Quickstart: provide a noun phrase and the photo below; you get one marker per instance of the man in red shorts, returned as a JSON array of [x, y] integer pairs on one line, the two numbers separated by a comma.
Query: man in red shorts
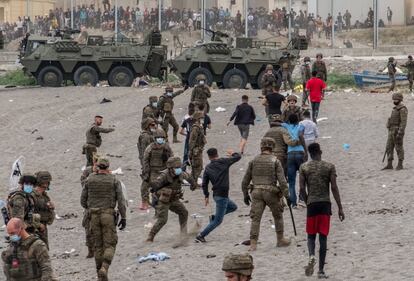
[[316, 87], [316, 178]]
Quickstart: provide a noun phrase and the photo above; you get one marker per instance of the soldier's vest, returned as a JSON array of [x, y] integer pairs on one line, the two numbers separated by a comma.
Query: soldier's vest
[[199, 95], [264, 170], [93, 138], [173, 191], [29, 210], [395, 118], [41, 208], [410, 67], [201, 138], [19, 262], [276, 133], [288, 111], [270, 78], [167, 104], [152, 114], [158, 158], [101, 191]]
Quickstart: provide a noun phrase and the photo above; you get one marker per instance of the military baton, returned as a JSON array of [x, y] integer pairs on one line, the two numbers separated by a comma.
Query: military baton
[[293, 220]]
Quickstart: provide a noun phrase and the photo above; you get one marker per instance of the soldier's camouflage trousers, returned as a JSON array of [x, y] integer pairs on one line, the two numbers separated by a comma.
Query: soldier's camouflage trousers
[[145, 185], [287, 78], [161, 211], [394, 142], [260, 199], [196, 164], [86, 222], [44, 235], [410, 77], [305, 95], [169, 119], [392, 80], [103, 230], [89, 151]]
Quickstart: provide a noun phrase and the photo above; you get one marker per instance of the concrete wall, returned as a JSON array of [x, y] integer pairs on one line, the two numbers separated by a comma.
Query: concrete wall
[[359, 9]]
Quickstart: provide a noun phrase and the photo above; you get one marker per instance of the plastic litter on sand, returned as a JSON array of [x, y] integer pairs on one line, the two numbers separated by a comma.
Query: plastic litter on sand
[[154, 257], [322, 119], [117, 171], [220, 109]]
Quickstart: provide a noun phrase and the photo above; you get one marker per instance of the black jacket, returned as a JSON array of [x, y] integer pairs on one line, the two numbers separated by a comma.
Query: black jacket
[[217, 172], [244, 115]]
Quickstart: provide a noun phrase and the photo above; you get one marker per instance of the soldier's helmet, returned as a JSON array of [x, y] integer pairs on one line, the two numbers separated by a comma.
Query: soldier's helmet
[[159, 133], [269, 67], [319, 55], [197, 115], [276, 118], [43, 177], [307, 59], [397, 96], [147, 122], [391, 59], [240, 263], [28, 178], [292, 97], [153, 99], [174, 162], [103, 162], [267, 143]]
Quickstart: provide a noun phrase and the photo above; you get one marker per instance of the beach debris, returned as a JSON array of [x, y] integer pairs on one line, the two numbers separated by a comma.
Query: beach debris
[[326, 137], [220, 109], [348, 90], [210, 256], [154, 257], [117, 171], [112, 155], [196, 216], [148, 225], [39, 138], [105, 100], [346, 147], [321, 119]]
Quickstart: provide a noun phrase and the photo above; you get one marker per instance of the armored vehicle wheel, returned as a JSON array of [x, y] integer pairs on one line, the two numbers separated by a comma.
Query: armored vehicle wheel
[[50, 76], [235, 79], [85, 75], [121, 76], [200, 72]]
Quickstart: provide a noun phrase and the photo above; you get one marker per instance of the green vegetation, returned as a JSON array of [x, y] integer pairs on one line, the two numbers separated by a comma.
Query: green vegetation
[[17, 78], [339, 80]]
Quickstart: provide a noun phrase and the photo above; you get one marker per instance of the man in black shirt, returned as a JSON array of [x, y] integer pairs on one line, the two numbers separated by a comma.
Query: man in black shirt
[[274, 101], [217, 172]]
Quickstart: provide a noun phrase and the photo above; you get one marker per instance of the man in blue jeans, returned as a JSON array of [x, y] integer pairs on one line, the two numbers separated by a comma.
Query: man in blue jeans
[[217, 172], [296, 156]]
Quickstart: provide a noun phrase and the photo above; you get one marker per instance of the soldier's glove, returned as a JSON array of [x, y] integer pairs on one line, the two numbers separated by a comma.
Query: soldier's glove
[[122, 224], [247, 199]]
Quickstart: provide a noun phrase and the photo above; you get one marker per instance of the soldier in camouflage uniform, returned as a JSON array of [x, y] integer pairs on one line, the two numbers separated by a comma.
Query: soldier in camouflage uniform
[[94, 139], [148, 127], [410, 74], [396, 129], [268, 80], [292, 108], [268, 189], [200, 95], [287, 75], [238, 267], [20, 204], [320, 67], [86, 214], [151, 110], [26, 257], [155, 159], [166, 106], [167, 188], [43, 205], [101, 194], [196, 145], [306, 74], [392, 70], [282, 139]]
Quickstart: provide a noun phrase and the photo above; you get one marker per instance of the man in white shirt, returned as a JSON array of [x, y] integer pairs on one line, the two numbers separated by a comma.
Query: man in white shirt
[[311, 130]]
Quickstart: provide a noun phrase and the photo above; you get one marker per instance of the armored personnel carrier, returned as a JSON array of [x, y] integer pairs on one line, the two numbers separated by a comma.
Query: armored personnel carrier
[[97, 58], [234, 67]]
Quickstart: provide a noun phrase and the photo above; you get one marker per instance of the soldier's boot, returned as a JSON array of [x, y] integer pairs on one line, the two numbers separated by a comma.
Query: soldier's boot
[[389, 165], [400, 165], [150, 237], [253, 245], [175, 139], [103, 271], [281, 240], [91, 252]]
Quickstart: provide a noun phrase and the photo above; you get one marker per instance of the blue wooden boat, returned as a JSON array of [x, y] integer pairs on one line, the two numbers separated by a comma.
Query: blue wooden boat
[[369, 78]]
